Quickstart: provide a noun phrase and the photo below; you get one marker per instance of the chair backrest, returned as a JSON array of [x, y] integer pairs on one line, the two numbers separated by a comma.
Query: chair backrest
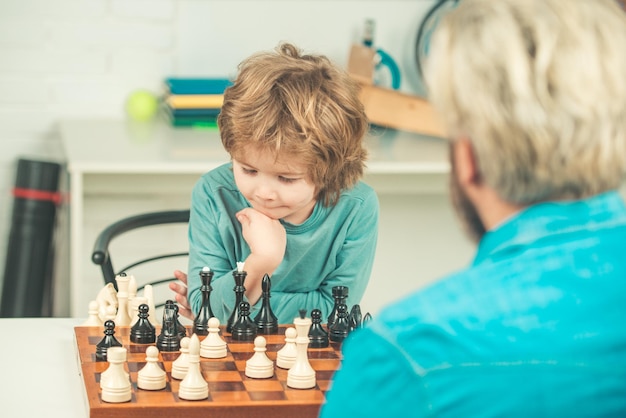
[[101, 254]]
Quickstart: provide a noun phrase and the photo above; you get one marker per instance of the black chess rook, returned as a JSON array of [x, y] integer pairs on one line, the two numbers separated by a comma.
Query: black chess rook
[[340, 294]]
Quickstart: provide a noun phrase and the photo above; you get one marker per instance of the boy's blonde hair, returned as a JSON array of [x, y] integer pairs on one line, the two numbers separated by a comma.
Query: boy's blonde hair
[[302, 107], [539, 87]]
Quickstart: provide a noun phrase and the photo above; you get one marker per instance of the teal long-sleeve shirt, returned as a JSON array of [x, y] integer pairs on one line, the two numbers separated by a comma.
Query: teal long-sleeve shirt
[[533, 328], [334, 246]]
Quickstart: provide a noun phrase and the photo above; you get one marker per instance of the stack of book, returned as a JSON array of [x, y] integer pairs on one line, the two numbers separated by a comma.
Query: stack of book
[[193, 102]]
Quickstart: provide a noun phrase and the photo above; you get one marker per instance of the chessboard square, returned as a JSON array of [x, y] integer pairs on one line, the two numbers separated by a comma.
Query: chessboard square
[[135, 366], [137, 348], [223, 376], [217, 366], [305, 395], [322, 354], [170, 355], [268, 396], [226, 386], [245, 355], [324, 385], [230, 397], [324, 374], [154, 397], [241, 347], [263, 385], [323, 364], [272, 348]]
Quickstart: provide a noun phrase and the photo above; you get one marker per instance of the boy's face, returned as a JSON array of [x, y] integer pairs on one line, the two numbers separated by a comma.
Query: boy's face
[[278, 188]]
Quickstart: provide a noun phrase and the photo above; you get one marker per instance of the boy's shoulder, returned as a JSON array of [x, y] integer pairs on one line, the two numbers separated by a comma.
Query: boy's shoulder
[[361, 190], [216, 179], [220, 174]]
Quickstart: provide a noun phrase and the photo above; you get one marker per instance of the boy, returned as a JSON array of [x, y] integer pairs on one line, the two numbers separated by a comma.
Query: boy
[[291, 203]]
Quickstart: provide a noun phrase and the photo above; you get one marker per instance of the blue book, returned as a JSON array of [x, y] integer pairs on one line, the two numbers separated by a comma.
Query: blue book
[[181, 85], [192, 112]]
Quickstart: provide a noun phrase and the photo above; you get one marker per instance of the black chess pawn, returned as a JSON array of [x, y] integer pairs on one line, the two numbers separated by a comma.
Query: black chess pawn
[[340, 294], [169, 338], [340, 329], [143, 332], [318, 337], [240, 277], [265, 320], [201, 321], [245, 329], [109, 340], [356, 318]]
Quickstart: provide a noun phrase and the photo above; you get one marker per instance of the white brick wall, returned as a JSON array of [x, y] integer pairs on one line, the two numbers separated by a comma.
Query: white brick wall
[[81, 58]]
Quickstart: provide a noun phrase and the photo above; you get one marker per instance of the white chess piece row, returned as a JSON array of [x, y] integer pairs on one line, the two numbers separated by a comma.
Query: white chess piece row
[[115, 382], [122, 305]]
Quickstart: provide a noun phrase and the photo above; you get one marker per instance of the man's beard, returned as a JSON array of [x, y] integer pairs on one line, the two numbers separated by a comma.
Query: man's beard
[[464, 208]]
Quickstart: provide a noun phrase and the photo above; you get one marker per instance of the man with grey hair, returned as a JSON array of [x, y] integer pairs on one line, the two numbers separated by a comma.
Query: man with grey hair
[[533, 96]]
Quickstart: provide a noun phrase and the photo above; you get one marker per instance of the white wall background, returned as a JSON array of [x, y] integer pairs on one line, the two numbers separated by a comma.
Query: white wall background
[[81, 58]]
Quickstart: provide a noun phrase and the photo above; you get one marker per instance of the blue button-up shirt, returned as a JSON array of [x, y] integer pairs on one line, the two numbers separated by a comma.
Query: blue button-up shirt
[[536, 327]]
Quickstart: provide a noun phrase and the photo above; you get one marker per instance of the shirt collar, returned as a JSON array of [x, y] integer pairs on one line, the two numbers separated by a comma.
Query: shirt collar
[[550, 218]]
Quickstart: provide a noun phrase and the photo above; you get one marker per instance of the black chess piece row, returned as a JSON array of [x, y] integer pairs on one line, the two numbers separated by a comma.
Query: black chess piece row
[[143, 332], [340, 321], [264, 323]]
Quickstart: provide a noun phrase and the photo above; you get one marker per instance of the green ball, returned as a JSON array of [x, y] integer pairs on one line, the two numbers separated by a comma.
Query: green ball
[[142, 105]]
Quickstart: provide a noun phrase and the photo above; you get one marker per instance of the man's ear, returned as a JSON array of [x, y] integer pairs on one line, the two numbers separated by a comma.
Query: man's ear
[[466, 166]]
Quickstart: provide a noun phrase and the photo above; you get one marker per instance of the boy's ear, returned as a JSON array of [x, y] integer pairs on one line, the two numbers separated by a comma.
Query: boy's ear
[[465, 162]]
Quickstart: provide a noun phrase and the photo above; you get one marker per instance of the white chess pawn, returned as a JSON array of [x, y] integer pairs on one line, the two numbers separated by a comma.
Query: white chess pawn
[[181, 364], [259, 366], [213, 345], [148, 293], [109, 370], [286, 356], [134, 308], [151, 376], [301, 375], [93, 320], [132, 293], [193, 387], [122, 318], [116, 386], [111, 312]]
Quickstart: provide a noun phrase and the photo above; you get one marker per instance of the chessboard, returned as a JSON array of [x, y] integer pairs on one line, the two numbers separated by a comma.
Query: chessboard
[[231, 393]]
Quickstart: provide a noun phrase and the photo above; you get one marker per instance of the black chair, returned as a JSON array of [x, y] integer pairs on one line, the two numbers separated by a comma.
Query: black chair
[[101, 251]]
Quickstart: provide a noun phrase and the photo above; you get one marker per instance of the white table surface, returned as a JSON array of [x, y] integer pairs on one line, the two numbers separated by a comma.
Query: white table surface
[[40, 375]]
